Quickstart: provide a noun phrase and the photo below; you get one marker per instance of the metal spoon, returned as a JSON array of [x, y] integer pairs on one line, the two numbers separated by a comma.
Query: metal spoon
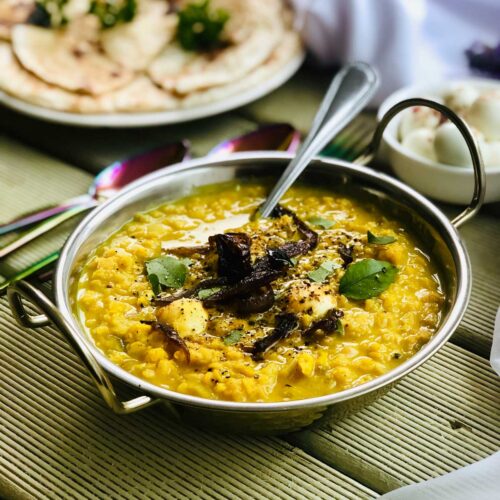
[[351, 89]]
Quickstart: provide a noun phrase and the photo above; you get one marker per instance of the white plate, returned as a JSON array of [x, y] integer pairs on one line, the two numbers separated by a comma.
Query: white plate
[[122, 120]]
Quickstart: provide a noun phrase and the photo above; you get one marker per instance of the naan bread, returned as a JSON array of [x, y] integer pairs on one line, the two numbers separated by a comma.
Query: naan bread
[[139, 95], [254, 30], [18, 82], [69, 58], [81, 69], [13, 12], [135, 44], [289, 48]]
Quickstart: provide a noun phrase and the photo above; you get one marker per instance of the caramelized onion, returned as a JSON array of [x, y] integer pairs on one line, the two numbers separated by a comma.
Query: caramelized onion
[[245, 287], [259, 301], [328, 324], [310, 237], [172, 337], [285, 323], [345, 253], [233, 251], [188, 251]]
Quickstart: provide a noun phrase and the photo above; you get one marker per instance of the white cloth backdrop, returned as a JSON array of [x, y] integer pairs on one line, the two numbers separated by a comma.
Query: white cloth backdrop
[[408, 41]]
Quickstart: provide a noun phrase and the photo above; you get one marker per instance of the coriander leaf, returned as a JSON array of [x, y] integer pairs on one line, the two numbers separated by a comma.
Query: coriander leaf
[[323, 271], [207, 292], [166, 271], [233, 337], [113, 12], [330, 265], [155, 283], [380, 240], [318, 275], [199, 27], [294, 260], [340, 327], [367, 278], [320, 222]]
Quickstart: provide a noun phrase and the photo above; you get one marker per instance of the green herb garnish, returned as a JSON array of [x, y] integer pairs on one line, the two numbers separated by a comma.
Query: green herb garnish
[[200, 27], [323, 271], [340, 327], [233, 337], [207, 292], [49, 13], [168, 272], [367, 278], [320, 222], [113, 12], [379, 240]]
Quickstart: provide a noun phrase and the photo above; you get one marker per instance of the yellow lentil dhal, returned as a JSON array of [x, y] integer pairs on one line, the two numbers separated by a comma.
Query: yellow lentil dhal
[[114, 295]]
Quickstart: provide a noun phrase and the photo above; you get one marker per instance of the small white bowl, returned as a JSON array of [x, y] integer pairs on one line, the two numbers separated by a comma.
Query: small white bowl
[[436, 180]]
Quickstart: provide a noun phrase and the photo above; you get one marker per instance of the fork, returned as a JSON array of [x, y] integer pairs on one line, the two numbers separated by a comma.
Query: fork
[[353, 140]]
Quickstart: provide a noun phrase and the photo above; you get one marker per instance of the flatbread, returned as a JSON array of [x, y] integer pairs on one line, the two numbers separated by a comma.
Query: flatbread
[[139, 95], [13, 12], [82, 69], [135, 44], [289, 48], [69, 58], [254, 30], [18, 82]]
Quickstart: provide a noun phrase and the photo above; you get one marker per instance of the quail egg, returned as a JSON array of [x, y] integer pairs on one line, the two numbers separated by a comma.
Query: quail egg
[[421, 142], [484, 114]]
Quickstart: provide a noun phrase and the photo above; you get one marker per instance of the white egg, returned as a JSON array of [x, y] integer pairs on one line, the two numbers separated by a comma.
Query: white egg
[[461, 97], [491, 153], [484, 114], [450, 146], [418, 117], [421, 142]]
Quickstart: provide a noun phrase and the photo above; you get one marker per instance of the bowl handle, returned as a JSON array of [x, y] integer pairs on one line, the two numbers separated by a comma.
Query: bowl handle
[[477, 161], [22, 289]]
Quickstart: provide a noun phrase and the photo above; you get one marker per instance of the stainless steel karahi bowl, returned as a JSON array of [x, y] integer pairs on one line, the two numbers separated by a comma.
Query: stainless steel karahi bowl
[[438, 234]]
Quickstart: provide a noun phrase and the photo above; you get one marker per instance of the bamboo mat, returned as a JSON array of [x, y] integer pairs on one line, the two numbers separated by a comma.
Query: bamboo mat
[[57, 440]]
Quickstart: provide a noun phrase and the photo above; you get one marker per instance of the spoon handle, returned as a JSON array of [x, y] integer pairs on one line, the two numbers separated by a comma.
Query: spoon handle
[[38, 216], [44, 227], [39, 266], [351, 89]]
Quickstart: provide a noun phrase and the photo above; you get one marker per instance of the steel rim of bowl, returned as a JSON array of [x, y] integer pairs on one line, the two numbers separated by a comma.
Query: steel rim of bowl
[[457, 309]]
